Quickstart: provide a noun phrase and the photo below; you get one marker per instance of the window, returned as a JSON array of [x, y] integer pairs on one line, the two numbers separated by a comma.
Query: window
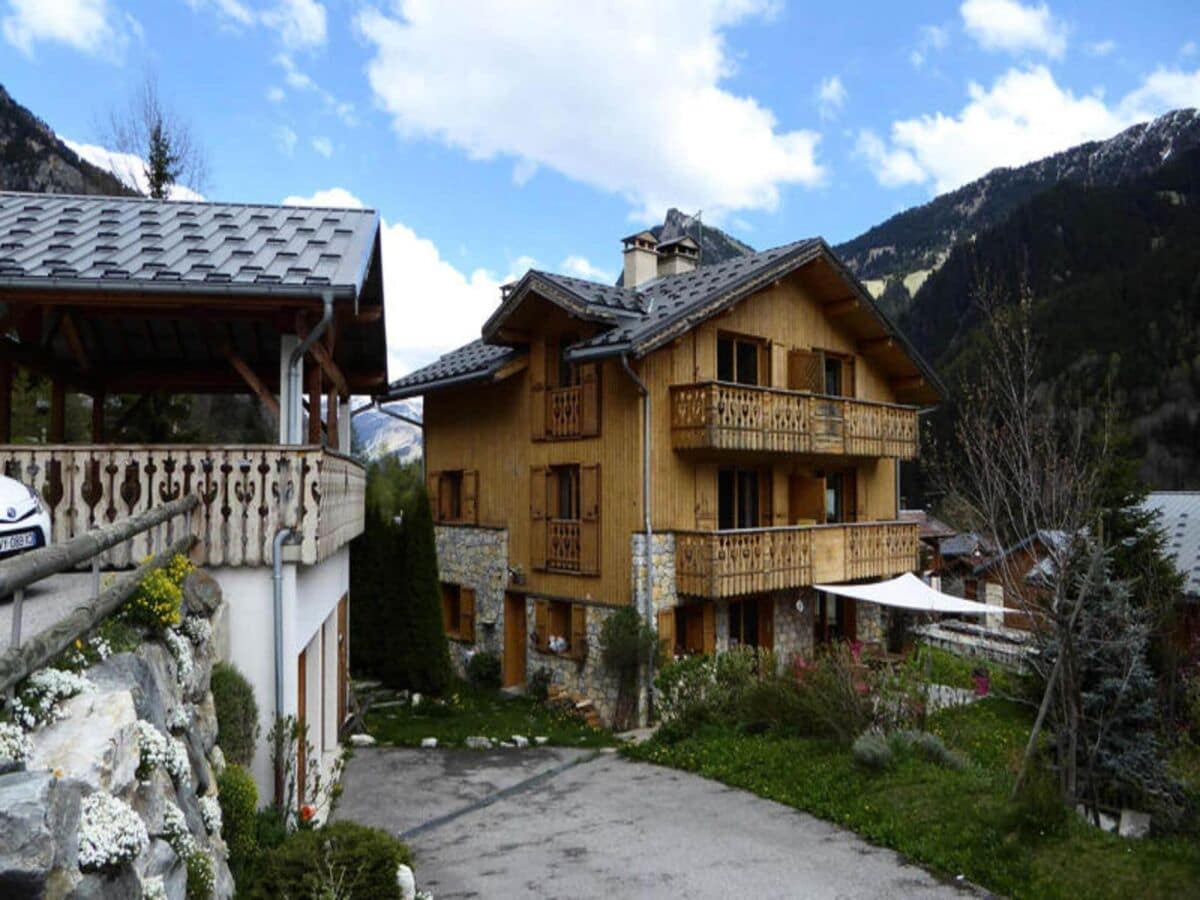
[[452, 489], [739, 499], [834, 619], [458, 612], [562, 372], [564, 506], [839, 374], [566, 402], [840, 497], [740, 360], [833, 376], [452, 494], [743, 623], [560, 628], [566, 491]]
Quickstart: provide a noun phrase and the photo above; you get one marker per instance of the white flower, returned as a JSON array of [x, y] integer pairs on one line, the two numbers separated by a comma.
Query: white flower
[[178, 720], [210, 812], [198, 630], [181, 649], [110, 833], [41, 696], [101, 647], [14, 746], [160, 751], [175, 830], [154, 889]]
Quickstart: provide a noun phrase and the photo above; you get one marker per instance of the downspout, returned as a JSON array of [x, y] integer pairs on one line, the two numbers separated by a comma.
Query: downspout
[[648, 598], [282, 535], [293, 370]]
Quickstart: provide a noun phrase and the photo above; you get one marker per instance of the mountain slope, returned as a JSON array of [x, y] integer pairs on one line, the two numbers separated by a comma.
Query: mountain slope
[[377, 434], [895, 256], [33, 158], [1114, 272]]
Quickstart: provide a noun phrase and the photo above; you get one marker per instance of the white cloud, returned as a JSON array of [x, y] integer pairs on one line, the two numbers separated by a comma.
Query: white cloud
[[300, 80], [286, 138], [1013, 27], [581, 267], [1024, 116], [932, 37], [129, 168], [1101, 48], [323, 146], [275, 94], [84, 25], [432, 307], [523, 171], [1188, 49], [831, 96], [631, 101], [300, 23], [232, 11]]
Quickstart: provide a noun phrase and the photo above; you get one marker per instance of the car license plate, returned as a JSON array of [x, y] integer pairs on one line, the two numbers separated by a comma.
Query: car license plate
[[11, 542]]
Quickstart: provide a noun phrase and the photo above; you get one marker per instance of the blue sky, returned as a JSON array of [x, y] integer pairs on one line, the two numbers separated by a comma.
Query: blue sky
[[494, 136]]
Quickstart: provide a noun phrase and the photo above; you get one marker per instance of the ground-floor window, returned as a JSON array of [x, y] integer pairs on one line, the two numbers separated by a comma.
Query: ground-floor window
[[458, 611], [834, 619], [560, 627], [751, 622]]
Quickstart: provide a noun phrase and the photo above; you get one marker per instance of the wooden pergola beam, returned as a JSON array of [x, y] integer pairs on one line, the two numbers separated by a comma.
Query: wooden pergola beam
[[323, 355], [75, 342], [264, 394], [43, 363]]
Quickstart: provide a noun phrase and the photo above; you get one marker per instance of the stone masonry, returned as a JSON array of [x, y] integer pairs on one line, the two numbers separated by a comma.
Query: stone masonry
[[663, 557], [586, 675], [476, 558]]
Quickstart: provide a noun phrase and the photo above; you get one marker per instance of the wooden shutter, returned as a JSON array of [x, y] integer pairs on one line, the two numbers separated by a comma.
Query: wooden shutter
[[806, 371], [589, 515], [666, 631], [466, 614], [766, 623], [706, 497], [579, 641], [541, 622], [433, 481], [445, 499], [537, 515], [469, 499], [848, 388], [589, 399], [447, 625], [806, 499], [850, 495], [710, 627]]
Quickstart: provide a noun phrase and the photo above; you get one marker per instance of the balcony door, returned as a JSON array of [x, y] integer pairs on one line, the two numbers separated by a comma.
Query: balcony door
[[742, 360], [743, 498]]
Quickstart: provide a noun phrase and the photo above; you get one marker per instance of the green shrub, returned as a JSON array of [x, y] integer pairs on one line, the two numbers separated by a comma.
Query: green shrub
[[835, 703], [237, 713], [927, 746], [363, 859], [200, 879], [772, 703], [155, 603], [238, 796], [270, 828], [1039, 809], [872, 751], [483, 670], [538, 686]]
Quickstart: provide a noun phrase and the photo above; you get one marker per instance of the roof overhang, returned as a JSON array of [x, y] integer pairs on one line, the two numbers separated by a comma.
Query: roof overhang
[[535, 285], [496, 371]]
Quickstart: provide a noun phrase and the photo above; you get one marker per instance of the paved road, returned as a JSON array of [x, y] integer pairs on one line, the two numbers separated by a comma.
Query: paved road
[[567, 824], [45, 603]]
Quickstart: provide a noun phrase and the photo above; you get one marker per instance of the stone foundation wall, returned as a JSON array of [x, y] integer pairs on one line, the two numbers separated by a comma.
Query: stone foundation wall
[[476, 558], [662, 548], [793, 630], [587, 675]]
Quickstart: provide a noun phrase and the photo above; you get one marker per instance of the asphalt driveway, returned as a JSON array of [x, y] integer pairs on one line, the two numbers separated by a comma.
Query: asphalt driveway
[[543, 823]]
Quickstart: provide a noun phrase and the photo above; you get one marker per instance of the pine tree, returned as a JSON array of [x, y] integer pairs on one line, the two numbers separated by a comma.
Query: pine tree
[[162, 162]]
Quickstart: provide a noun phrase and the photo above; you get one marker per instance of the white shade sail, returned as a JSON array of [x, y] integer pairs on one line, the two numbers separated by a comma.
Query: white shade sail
[[910, 592]]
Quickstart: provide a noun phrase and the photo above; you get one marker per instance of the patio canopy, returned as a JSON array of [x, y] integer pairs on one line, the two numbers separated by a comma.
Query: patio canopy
[[910, 592]]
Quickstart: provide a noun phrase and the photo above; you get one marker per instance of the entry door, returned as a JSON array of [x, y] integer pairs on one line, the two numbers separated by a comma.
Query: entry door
[[516, 640]]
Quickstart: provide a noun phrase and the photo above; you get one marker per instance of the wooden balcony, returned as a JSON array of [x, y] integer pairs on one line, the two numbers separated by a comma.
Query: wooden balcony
[[716, 564], [720, 416], [247, 492], [563, 545], [563, 411]]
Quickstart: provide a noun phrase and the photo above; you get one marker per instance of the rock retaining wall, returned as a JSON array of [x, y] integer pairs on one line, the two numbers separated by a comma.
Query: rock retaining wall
[[95, 747], [476, 558]]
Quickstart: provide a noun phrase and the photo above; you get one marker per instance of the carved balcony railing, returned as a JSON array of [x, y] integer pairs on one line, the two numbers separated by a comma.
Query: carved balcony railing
[[716, 564], [721, 416], [247, 493], [563, 546], [564, 411]]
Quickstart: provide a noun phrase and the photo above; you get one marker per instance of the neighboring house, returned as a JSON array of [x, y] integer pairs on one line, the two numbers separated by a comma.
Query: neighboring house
[[1180, 520], [106, 296], [932, 532], [1017, 577], [753, 413]]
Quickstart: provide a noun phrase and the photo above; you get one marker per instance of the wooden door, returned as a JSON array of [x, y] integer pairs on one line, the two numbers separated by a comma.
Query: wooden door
[[515, 640]]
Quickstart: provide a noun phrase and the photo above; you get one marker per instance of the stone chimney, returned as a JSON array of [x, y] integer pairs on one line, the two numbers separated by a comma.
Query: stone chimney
[[641, 259], [678, 256]]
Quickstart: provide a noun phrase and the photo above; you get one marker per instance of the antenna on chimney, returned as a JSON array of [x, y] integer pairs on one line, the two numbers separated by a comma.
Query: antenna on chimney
[[699, 235]]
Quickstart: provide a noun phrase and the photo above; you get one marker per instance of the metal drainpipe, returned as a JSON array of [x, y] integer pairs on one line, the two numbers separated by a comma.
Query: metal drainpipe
[[293, 371], [411, 421], [648, 600], [283, 534]]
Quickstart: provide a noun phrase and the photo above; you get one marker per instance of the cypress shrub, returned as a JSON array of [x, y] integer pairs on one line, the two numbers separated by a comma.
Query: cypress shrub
[[362, 860], [483, 671], [238, 796], [372, 590], [237, 713]]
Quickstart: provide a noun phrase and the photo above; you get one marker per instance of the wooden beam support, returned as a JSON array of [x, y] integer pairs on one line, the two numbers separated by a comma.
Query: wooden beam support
[[874, 345], [43, 363], [312, 377], [75, 342], [331, 418], [98, 418], [323, 355], [58, 411], [841, 307], [264, 394], [907, 383]]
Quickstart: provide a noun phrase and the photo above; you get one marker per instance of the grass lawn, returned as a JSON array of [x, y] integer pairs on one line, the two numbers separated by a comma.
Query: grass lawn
[[465, 712], [954, 822]]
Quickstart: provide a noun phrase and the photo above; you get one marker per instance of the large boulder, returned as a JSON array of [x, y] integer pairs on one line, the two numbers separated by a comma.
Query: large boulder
[[204, 722], [201, 594], [95, 741], [122, 884], [161, 670], [160, 861], [36, 811], [134, 672]]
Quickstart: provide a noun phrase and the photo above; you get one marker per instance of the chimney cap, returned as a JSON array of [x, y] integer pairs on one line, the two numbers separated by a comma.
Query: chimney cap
[[683, 245], [642, 239]]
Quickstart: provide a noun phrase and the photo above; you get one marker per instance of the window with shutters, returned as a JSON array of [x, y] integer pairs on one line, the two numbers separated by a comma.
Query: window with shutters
[[560, 628], [458, 612], [742, 360], [454, 496], [567, 399], [743, 498], [565, 512], [821, 372]]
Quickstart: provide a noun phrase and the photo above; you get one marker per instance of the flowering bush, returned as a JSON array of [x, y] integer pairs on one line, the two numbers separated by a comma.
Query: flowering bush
[[175, 830], [156, 602], [110, 833], [160, 751], [178, 719], [179, 568], [39, 699], [181, 650], [200, 880], [210, 812], [154, 889], [198, 630], [14, 747]]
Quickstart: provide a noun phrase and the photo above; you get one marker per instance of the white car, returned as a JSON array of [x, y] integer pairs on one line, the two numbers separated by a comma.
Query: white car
[[24, 518]]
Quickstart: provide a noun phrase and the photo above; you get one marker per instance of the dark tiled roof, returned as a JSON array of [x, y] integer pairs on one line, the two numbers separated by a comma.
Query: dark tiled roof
[[476, 360], [606, 296], [1180, 520], [126, 243]]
